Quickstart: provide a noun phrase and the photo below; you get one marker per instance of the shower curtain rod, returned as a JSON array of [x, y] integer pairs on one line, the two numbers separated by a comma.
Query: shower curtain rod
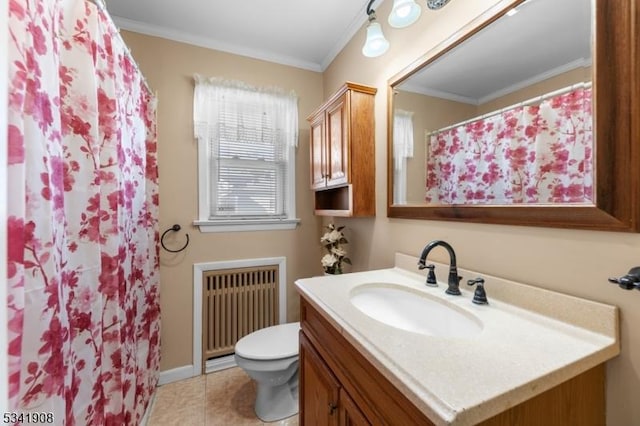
[[516, 105], [102, 6]]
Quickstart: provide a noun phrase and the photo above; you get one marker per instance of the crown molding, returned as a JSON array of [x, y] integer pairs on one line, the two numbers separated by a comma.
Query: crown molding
[[209, 43]]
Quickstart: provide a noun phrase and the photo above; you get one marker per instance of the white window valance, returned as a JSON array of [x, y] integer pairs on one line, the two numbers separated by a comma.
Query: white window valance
[[402, 150], [402, 136], [215, 97]]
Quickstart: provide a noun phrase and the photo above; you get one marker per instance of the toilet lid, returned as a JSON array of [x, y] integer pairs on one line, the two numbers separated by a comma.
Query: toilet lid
[[276, 342]]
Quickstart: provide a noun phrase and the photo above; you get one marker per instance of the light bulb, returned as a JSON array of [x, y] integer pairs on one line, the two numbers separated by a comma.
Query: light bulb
[[404, 13], [376, 44]]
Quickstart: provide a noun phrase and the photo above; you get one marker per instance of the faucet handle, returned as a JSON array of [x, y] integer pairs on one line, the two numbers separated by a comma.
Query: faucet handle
[[431, 276], [479, 296], [623, 282], [629, 281]]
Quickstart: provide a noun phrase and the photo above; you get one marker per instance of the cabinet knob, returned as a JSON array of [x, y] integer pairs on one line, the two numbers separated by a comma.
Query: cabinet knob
[[332, 408]]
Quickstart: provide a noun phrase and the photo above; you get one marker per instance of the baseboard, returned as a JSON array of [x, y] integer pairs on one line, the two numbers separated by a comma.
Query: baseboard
[[147, 412], [175, 374], [221, 363]]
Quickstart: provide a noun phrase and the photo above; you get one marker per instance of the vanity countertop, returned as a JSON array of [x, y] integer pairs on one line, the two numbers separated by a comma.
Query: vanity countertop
[[532, 340]]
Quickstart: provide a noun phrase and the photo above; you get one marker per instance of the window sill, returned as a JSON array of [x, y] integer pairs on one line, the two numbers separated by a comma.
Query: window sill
[[241, 225]]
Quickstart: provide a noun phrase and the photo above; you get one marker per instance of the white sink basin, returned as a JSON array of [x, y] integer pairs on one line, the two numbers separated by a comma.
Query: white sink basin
[[414, 311]]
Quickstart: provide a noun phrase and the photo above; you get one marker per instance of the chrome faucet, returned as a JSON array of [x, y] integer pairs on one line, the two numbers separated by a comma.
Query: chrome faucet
[[454, 280]]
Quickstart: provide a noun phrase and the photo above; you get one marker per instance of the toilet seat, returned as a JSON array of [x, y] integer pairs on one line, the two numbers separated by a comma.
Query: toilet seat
[[270, 343]]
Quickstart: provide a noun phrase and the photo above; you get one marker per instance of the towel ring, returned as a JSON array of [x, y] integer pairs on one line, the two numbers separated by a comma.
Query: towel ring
[[174, 228]]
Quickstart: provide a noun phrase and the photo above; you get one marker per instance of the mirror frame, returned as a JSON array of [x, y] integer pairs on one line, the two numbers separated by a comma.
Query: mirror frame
[[616, 91]]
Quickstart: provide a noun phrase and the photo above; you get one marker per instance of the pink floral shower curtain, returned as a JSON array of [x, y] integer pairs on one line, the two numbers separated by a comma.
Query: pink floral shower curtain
[[529, 154], [83, 219]]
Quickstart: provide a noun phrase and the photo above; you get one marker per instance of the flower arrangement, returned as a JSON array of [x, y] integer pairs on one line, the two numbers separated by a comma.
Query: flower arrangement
[[336, 255]]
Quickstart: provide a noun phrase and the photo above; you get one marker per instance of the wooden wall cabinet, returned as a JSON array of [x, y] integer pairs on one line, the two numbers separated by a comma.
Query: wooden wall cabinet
[[340, 386], [342, 151]]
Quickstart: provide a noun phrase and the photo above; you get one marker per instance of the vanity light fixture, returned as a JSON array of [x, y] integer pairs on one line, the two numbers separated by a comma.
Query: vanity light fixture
[[404, 13], [376, 44]]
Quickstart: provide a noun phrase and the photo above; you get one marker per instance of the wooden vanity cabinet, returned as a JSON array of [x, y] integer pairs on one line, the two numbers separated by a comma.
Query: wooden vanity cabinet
[[339, 386], [342, 150], [329, 403]]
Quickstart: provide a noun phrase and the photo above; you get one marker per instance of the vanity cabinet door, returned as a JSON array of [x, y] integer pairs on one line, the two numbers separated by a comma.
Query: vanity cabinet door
[[350, 414], [319, 389], [325, 400]]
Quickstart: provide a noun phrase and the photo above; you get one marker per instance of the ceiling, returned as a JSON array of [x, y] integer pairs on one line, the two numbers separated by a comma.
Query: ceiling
[[302, 33]]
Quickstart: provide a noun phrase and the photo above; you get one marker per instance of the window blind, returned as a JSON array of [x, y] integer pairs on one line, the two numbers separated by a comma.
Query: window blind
[[249, 158]]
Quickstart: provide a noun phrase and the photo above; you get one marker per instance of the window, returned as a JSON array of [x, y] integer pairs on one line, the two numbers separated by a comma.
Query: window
[[246, 148]]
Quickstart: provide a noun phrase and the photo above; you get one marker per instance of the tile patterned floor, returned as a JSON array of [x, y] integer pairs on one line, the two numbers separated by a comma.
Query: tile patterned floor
[[223, 398]]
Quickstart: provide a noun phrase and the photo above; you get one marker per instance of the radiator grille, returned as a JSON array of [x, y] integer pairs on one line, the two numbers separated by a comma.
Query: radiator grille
[[237, 302]]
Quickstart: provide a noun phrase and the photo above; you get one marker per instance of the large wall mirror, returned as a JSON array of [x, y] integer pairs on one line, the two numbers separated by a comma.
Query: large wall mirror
[[528, 116]]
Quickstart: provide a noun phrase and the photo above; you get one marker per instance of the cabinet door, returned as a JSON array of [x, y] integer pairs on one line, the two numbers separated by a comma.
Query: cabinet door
[[319, 389], [316, 148], [337, 122], [350, 414]]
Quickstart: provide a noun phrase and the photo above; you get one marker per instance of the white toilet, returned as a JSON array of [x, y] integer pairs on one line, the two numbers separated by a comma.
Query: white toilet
[[270, 357]]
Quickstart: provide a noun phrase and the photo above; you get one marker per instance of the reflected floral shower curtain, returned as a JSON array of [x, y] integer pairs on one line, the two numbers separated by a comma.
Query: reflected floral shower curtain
[[83, 219], [529, 154]]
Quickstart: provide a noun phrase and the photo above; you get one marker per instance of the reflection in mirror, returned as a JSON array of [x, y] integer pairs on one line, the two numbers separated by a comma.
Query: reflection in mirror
[[589, 187], [504, 117]]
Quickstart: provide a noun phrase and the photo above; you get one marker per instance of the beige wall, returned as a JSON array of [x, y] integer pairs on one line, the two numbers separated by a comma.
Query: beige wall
[[568, 261], [546, 86], [169, 67]]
